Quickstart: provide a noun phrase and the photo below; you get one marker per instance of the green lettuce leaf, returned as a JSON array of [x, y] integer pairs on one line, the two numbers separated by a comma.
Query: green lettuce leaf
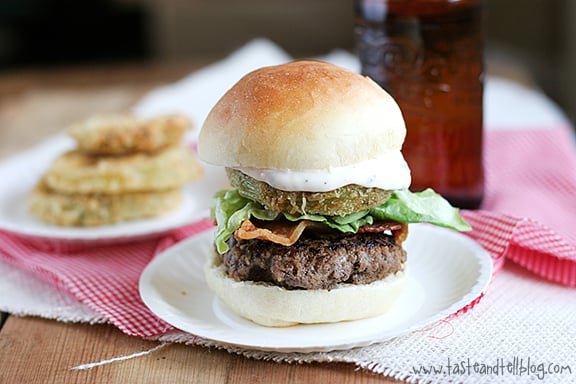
[[421, 207], [229, 210]]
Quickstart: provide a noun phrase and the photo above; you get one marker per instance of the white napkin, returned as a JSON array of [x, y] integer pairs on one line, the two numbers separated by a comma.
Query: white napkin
[[22, 294], [524, 329]]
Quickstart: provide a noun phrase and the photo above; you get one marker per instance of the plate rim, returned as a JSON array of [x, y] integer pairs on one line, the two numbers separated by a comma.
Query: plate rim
[[477, 289]]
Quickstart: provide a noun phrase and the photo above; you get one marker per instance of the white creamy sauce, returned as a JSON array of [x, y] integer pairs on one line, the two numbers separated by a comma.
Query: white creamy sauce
[[389, 171]]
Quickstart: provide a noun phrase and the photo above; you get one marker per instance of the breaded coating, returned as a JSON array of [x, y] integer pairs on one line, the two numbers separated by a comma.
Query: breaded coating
[[85, 210], [338, 202], [124, 133], [78, 172]]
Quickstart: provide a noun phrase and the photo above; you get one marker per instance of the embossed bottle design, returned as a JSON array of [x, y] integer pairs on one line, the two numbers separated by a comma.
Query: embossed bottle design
[[428, 54]]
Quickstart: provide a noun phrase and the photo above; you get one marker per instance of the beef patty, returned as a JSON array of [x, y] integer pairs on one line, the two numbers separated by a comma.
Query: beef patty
[[316, 261]]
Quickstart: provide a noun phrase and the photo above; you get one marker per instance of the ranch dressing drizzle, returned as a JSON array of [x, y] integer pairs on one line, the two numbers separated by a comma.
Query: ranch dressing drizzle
[[389, 171]]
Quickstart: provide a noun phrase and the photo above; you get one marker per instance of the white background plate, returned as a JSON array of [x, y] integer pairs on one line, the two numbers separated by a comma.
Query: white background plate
[[20, 173], [447, 271]]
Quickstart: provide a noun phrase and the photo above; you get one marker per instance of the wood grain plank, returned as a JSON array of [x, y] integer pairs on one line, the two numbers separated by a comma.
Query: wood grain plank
[[34, 350]]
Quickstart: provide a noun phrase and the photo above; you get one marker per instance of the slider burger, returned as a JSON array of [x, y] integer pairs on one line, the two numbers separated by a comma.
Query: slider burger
[[312, 230]]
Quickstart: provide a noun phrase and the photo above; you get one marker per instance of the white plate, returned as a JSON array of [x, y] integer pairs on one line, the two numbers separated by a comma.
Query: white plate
[[20, 173], [447, 271]]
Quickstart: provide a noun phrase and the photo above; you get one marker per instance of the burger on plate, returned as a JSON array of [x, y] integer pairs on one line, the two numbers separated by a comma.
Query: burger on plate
[[312, 230]]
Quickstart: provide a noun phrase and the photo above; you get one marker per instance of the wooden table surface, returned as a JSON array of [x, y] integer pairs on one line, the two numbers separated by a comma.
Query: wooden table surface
[[35, 104]]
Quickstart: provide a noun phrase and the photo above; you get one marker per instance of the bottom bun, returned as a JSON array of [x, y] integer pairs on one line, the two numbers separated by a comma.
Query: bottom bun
[[273, 306]]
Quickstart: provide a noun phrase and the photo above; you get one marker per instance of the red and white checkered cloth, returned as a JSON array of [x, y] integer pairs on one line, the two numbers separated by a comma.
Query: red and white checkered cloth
[[528, 217], [529, 210]]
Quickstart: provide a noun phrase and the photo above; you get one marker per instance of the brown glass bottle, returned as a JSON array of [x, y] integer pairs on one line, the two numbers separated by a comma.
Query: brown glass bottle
[[428, 54]]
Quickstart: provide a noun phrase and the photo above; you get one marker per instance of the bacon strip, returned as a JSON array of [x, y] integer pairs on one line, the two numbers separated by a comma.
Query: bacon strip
[[380, 226], [287, 233], [280, 232], [399, 230]]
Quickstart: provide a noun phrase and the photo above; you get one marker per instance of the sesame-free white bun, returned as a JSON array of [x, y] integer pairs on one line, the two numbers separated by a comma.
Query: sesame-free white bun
[[273, 306], [304, 115]]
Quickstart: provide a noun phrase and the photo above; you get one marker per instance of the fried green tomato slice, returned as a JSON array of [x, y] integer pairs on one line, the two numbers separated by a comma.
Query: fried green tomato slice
[[338, 202], [125, 133], [78, 172], [91, 210]]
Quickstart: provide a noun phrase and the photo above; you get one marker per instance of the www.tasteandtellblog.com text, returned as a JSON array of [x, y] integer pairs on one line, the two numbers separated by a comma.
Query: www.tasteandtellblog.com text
[[516, 366]]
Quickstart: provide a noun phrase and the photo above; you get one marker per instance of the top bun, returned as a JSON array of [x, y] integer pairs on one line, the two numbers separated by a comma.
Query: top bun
[[304, 115]]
